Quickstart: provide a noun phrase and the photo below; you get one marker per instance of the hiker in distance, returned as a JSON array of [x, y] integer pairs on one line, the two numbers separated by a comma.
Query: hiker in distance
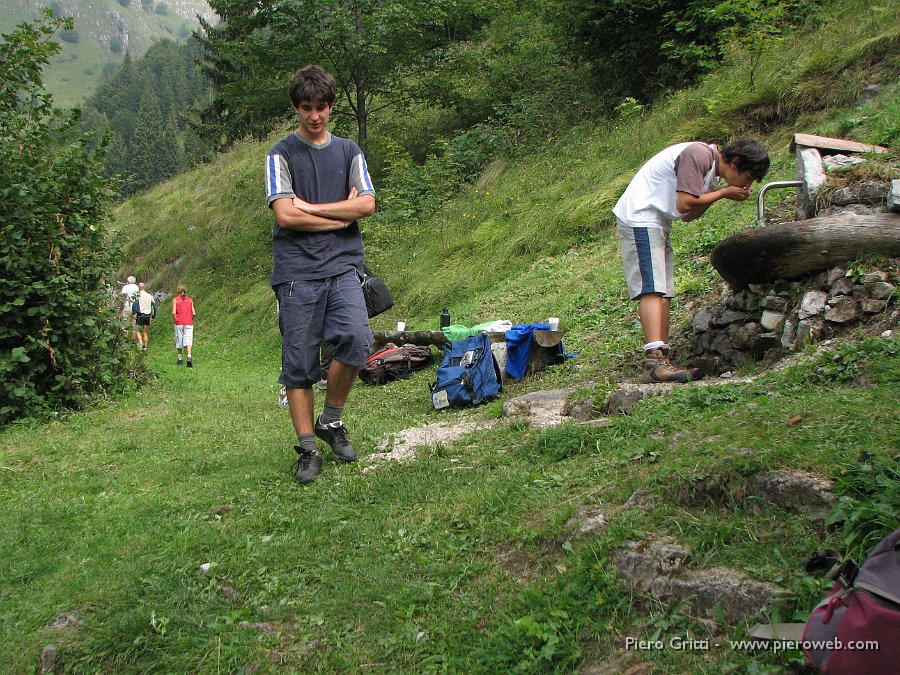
[[144, 310], [318, 186], [679, 183], [183, 314], [129, 292]]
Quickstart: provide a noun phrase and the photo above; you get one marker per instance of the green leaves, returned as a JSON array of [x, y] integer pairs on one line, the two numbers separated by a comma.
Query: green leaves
[[55, 313]]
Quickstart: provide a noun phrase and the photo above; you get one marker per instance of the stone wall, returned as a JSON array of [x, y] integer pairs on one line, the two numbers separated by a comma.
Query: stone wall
[[765, 321], [768, 320]]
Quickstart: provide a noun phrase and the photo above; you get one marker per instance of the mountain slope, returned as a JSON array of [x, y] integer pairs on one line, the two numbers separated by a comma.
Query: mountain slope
[[104, 31]]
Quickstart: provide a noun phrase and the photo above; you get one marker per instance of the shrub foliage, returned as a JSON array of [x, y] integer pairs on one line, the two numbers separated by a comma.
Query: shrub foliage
[[59, 337]]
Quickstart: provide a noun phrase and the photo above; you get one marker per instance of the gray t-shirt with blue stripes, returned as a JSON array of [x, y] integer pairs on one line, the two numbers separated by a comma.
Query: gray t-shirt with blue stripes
[[318, 174]]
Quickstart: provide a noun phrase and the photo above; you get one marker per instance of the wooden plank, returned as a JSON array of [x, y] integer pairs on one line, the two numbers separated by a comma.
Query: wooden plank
[[832, 146], [797, 249]]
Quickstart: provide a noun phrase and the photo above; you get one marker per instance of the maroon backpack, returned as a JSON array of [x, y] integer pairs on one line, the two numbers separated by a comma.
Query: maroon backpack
[[395, 363], [856, 629]]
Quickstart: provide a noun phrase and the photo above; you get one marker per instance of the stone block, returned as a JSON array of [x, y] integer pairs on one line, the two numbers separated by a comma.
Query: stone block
[[808, 330], [838, 162], [796, 491], [741, 335], [813, 303], [835, 273], [725, 317], [872, 306], [842, 286], [811, 171], [866, 192], [893, 200], [776, 303], [875, 276], [880, 290], [771, 320], [701, 321], [741, 301], [789, 334], [844, 310], [721, 343]]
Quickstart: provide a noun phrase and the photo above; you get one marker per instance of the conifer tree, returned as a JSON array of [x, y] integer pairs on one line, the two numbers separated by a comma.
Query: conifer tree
[[145, 143]]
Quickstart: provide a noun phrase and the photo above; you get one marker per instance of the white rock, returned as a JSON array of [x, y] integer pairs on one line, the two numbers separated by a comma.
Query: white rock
[[813, 303]]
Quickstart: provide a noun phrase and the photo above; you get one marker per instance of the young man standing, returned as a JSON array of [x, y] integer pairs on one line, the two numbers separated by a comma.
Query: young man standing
[[318, 185], [183, 314], [679, 183]]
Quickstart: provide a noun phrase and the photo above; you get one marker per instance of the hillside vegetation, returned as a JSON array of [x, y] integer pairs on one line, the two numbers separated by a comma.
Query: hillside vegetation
[[168, 526], [105, 30]]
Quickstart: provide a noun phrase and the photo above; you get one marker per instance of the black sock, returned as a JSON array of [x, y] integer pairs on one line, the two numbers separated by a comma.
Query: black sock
[[330, 413]]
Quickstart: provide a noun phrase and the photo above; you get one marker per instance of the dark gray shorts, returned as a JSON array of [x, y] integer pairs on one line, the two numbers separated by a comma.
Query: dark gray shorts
[[309, 312]]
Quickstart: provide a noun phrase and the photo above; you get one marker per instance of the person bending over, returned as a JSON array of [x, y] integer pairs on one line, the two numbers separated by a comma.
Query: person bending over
[[679, 183]]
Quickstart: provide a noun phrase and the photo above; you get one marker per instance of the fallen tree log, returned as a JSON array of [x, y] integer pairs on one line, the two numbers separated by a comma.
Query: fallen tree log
[[421, 338], [800, 248]]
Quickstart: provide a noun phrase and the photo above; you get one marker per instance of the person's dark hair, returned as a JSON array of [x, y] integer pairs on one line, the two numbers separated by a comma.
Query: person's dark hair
[[313, 83], [751, 156]]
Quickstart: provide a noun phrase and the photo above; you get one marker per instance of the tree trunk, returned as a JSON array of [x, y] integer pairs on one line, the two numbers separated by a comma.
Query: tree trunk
[[798, 249], [410, 337]]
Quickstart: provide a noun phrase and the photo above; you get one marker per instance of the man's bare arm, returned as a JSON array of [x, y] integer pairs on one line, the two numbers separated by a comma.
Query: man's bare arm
[[290, 217], [352, 208]]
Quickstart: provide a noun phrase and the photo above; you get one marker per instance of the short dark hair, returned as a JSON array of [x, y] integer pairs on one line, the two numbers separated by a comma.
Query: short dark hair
[[751, 156], [313, 83]]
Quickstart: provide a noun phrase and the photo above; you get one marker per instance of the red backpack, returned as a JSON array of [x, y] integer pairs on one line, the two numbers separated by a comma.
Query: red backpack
[[856, 629], [395, 363]]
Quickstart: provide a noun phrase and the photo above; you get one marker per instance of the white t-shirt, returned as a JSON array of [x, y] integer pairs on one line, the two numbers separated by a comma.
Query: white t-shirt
[[649, 200], [130, 292]]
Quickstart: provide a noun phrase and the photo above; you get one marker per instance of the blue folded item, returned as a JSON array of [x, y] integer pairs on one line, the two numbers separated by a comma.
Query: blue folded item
[[518, 347]]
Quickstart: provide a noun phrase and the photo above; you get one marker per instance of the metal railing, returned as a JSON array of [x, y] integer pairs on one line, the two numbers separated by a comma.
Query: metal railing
[[760, 198]]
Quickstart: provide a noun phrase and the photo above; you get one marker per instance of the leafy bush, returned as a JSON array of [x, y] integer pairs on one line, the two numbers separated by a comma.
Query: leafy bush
[[59, 339]]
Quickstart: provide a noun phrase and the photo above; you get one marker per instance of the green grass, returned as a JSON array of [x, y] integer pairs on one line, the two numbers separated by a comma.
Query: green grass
[[111, 514], [460, 561]]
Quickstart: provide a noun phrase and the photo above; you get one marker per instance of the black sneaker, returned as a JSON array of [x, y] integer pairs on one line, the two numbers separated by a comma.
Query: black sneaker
[[190, 364], [179, 362], [308, 465], [335, 434]]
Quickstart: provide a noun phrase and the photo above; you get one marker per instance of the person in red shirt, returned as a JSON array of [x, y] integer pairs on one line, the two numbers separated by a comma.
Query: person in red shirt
[[183, 314]]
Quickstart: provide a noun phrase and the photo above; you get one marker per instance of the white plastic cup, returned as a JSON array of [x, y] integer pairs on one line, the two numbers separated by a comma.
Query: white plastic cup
[[554, 322], [401, 326]]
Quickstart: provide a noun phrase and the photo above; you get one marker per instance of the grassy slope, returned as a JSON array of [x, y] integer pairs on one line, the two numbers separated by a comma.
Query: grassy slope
[[461, 560]]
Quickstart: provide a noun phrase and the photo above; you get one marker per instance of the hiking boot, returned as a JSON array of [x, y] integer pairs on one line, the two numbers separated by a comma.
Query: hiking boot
[[308, 465], [335, 434], [658, 368]]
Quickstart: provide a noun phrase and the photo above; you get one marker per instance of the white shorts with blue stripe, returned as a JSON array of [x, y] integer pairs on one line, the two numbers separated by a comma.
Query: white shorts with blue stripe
[[647, 256]]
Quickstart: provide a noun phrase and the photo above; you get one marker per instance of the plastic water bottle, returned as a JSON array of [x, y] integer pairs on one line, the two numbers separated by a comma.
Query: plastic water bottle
[[445, 318]]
